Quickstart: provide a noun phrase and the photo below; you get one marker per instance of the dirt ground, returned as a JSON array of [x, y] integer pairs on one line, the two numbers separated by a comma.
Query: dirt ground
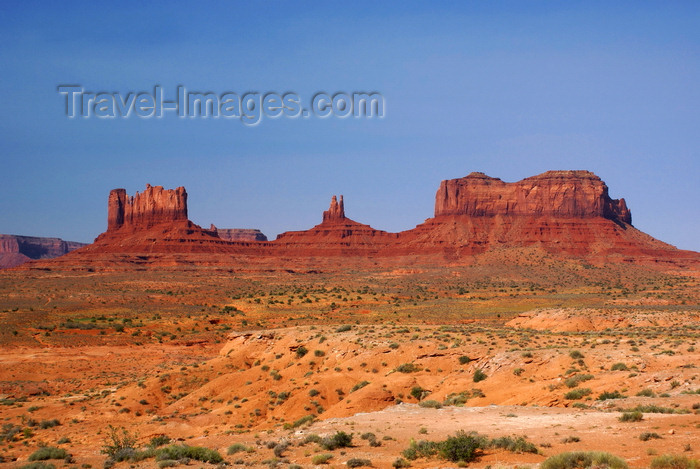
[[213, 360]]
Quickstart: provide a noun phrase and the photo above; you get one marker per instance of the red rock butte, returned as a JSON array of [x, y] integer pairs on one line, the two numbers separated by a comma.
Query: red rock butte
[[566, 214]]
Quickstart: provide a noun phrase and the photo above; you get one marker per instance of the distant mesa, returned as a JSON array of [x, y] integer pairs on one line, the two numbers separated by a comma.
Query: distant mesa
[[559, 194], [563, 214], [239, 234], [16, 250]]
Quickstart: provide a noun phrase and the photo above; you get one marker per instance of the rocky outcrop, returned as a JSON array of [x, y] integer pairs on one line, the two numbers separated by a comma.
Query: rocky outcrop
[[153, 206], [336, 211], [559, 194], [564, 214], [238, 234], [335, 235], [16, 250]]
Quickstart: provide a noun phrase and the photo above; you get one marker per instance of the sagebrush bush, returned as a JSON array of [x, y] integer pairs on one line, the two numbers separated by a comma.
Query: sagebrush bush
[[672, 461], [197, 453], [578, 393], [461, 447], [339, 440], [237, 448], [635, 416], [48, 452], [514, 445], [321, 458], [610, 395], [584, 460]]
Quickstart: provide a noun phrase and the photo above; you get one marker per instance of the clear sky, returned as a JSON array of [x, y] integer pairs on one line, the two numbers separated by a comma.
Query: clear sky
[[508, 88]]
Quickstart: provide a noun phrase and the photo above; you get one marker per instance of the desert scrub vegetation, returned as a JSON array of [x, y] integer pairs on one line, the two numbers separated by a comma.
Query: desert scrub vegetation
[[465, 447], [180, 452], [321, 458], [578, 393], [408, 368], [584, 460], [635, 416], [120, 445], [358, 462], [672, 461], [655, 409], [479, 375], [299, 422], [604, 396], [239, 447], [48, 452], [646, 436], [338, 440], [575, 380]]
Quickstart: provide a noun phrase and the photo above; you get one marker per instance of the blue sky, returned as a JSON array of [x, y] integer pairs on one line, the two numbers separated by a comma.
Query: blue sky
[[508, 88]]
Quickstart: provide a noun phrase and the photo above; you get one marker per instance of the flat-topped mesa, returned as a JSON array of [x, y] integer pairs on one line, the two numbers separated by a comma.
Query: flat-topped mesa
[[561, 194], [336, 211], [238, 234], [153, 206]]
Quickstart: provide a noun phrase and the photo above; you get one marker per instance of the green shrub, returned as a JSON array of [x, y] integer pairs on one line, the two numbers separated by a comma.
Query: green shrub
[[197, 453], [421, 449], [619, 367], [576, 355], [408, 368], [159, 440], [300, 421], [646, 436], [584, 460], [237, 448], [301, 351], [344, 328], [48, 452], [339, 440], [400, 463], [359, 385], [417, 392], [610, 395], [575, 380], [578, 393], [655, 409], [672, 461], [479, 376], [646, 393], [321, 458], [358, 462], [461, 447], [514, 445], [635, 416], [431, 404], [118, 442], [167, 463], [463, 360], [44, 424]]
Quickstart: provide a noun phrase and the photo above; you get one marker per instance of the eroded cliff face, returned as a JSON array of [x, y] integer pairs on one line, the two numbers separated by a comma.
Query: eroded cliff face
[[566, 214], [15, 250], [153, 206], [336, 211], [558, 194]]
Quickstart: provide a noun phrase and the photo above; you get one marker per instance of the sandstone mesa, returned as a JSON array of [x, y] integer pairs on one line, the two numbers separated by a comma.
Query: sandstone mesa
[[561, 213]]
